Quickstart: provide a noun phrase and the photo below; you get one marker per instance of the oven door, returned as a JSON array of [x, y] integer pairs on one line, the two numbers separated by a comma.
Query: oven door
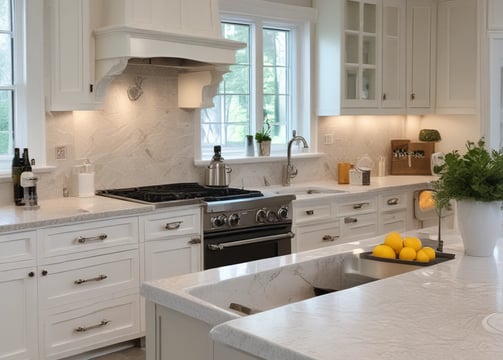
[[241, 245]]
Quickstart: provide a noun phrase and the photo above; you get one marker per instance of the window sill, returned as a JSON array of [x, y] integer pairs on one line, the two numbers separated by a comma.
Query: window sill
[[262, 159], [5, 176]]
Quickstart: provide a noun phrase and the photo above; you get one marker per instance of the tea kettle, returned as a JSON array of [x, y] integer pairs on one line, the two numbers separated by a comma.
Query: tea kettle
[[217, 173]]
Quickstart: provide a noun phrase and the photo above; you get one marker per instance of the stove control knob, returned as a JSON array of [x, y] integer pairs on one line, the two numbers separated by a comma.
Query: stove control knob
[[234, 220], [218, 221], [283, 213], [272, 217], [261, 216]]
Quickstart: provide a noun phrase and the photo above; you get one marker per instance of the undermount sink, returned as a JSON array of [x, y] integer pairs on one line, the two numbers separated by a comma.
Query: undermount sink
[[270, 289], [310, 190]]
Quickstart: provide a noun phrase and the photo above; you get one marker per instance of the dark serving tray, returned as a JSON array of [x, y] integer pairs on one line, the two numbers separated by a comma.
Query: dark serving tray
[[440, 257]]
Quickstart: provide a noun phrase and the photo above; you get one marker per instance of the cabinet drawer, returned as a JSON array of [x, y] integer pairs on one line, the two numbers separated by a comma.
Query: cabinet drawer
[[390, 202], [316, 236], [358, 206], [97, 235], [78, 280], [306, 212], [393, 221], [172, 223], [359, 226], [92, 325], [18, 247]]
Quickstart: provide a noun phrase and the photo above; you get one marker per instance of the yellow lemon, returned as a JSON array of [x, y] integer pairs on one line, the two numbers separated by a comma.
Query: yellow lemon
[[384, 251], [394, 240], [407, 253], [412, 242], [422, 256], [430, 252]]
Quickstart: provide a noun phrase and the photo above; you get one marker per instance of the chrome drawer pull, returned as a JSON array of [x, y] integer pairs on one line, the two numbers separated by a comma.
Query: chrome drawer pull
[[85, 328], [393, 201], [83, 240], [194, 241], [330, 237], [97, 278], [350, 220], [360, 205], [310, 212], [174, 225]]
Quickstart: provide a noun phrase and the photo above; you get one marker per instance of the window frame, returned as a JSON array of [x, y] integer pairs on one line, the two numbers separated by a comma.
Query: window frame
[[299, 21], [29, 114]]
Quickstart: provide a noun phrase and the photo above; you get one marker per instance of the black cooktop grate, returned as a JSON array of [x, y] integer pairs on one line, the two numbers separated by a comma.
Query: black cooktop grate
[[180, 191]]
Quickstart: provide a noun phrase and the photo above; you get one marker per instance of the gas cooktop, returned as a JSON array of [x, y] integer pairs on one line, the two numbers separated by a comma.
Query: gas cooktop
[[155, 194]]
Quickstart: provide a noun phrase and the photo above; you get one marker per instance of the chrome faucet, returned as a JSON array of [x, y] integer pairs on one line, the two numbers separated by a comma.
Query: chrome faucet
[[290, 171]]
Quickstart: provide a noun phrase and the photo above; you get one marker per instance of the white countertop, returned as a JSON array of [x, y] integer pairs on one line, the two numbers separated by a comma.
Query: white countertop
[[452, 310], [66, 210]]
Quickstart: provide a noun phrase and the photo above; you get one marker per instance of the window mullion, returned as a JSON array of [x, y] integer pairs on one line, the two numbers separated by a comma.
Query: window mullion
[[258, 67]]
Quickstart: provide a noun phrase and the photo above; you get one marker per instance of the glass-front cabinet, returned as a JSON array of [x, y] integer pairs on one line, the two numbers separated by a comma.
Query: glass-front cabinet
[[360, 75]]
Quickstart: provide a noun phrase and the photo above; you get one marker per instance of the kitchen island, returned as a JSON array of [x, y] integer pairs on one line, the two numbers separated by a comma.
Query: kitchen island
[[452, 310]]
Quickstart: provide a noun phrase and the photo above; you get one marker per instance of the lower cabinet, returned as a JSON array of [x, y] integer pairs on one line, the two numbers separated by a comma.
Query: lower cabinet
[[318, 235], [18, 328]]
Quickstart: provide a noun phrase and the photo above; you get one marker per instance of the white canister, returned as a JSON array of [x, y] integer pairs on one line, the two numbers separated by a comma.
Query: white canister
[[83, 180]]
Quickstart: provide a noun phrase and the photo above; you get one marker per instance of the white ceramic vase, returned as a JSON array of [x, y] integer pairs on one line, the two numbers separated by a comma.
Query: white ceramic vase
[[480, 226]]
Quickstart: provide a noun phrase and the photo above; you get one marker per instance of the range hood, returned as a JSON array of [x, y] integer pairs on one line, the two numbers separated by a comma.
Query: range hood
[[186, 38]]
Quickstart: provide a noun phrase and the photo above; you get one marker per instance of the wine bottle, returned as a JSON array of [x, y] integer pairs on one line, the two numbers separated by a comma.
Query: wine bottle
[[26, 160], [17, 169]]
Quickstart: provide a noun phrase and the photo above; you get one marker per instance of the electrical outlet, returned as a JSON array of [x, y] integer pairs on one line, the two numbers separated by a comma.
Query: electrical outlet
[[61, 152], [328, 139]]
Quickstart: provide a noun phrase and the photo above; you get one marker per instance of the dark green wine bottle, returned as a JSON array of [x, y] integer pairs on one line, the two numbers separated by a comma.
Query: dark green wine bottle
[[17, 169]]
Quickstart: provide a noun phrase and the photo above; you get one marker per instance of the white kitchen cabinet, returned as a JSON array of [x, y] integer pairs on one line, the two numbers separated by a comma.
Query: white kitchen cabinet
[[495, 15], [171, 243], [421, 42], [18, 302], [393, 55], [88, 286], [457, 57], [393, 212], [70, 55], [317, 235]]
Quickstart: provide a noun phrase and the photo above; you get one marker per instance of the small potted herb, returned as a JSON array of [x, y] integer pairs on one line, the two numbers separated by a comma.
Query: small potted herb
[[263, 139]]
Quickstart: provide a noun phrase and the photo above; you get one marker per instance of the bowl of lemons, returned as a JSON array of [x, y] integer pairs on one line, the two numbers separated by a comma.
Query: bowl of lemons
[[405, 250]]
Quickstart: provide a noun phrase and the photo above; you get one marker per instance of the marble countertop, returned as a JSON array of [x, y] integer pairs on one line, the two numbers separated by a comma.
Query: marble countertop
[[73, 209], [452, 310], [66, 210]]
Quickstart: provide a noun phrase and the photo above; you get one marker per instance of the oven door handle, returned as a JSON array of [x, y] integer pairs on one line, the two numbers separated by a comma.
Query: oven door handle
[[221, 246]]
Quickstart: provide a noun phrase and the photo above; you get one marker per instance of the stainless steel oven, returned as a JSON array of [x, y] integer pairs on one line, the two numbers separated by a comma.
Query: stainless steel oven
[[241, 231]]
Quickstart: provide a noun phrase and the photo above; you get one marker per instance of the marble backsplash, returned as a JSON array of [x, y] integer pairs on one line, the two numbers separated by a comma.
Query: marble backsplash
[[151, 141]]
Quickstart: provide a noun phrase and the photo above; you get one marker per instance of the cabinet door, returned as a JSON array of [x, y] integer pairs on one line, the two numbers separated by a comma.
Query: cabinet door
[[393, 54], [70, 56], [421, 20], [360, 55], [170, 257], [18, 328], [457, 60]]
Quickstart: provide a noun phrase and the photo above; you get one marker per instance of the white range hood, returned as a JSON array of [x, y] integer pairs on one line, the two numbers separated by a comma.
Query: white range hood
[[186, 37]]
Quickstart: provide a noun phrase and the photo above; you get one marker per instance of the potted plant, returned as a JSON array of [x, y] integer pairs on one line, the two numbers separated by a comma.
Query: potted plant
[[263, 139], [475, 181]]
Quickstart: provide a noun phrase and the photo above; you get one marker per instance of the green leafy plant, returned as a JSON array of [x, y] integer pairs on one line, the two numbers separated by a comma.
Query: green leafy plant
[[265, 133], [476, 175]]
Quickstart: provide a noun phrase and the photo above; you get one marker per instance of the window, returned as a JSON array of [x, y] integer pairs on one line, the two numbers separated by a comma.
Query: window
[[268, 85], [7, 88]]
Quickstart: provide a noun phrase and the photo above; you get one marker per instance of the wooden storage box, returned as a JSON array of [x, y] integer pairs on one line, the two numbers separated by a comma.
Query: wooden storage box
[[411, 158]]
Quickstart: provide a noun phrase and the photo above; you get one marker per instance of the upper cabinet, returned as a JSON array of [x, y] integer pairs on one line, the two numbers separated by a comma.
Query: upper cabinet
[[421, 20], [457, 60], [383, 53], [70, 56]]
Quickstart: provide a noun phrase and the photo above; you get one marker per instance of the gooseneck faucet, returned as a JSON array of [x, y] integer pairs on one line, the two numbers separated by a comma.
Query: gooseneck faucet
[[290, 171]]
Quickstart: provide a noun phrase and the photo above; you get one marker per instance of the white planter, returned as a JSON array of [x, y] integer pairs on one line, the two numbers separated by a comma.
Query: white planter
[[479, 225]]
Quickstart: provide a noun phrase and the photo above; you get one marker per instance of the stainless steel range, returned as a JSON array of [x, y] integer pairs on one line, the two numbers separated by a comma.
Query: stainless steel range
[[238, 225]]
